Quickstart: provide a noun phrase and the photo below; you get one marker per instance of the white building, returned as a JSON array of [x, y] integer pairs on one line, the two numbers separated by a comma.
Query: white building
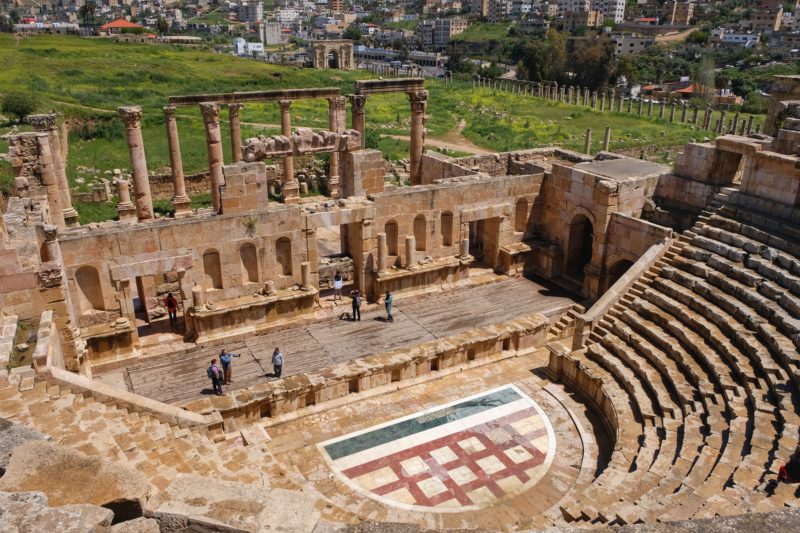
[[244, 48], [251, 11], [611, 9]]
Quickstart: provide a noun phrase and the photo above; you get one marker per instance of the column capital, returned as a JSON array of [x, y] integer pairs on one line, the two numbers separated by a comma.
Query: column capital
[[418, 100], [337, 103], [42, 122], [131, 115], [233, 109], [169, 111], [285, 105], [210, 111], [357, 102]]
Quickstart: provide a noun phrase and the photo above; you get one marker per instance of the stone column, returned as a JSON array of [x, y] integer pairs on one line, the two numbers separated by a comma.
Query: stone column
[[562, 96], [210, 112], [630, 104], [672, 112], [288, 183], [620, 103], [650, 107], [718, 127], [357, 103], [742, 128], [707, 118], [607, 138], [735, 123], [684, 109], [419, 104], [132, 116], [382, 252], [570, 94], [695, 112], [661, 109], [464, 251], [612, 94], [586, 96], [180, 200], [236, 131], [47, 124], [594, 99], [587, 142], [602, 100], [547, 92], [125, 208], [721, 123], [336, 123], [411, 250], [758, 128], [305, 276], [750, 125]]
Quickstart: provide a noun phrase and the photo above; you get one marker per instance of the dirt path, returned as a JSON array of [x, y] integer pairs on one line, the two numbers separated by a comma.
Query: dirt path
[[452, 140], [88, 108]]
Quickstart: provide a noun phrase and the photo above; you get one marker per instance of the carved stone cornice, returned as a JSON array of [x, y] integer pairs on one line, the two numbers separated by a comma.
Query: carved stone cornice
[[131, 116], [357, 102], [210, 111], [43, 122]]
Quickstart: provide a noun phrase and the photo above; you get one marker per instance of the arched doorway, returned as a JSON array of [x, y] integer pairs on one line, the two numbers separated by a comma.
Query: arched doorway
[[579, 248], [617, 270], [333, 59]]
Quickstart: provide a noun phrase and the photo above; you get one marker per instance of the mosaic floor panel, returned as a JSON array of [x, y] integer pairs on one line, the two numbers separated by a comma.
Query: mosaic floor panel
[[464, 455]]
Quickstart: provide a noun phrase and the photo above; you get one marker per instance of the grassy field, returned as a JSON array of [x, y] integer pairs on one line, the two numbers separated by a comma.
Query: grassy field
[[483, 32], [87, 79]]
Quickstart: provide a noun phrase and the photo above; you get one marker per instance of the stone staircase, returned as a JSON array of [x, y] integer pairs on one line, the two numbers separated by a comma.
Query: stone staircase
[[160, 450], [698, 365], [564, 327]]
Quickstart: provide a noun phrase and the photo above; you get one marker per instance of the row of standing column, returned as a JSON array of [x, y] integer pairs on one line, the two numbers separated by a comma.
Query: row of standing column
[[46, 123], [419, 105], [609, 100]]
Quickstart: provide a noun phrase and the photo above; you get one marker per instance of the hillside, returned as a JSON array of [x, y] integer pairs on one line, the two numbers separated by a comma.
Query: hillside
[[87, 79]]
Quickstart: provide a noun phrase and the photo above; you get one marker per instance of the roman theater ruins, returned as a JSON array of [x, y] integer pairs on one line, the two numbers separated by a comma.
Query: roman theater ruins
[[579, 340]]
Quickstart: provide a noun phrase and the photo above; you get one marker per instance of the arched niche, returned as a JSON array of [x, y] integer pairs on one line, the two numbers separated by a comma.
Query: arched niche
[[90, 292], [212, 270], [283, 255], [249, 261]]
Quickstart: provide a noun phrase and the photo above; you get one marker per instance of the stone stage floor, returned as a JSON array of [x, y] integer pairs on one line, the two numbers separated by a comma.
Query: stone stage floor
[[491, 448], [182, 377]]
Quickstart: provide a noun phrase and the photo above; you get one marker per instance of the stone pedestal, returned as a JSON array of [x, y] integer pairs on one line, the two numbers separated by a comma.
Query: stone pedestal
[[47, 124], [587, 142], [236, 131], [132, 116], [180, 200], [464, 249], [198, 297], [419, 104], [125, 208], [269, 288], [291, 190], [210, 111], [357, 103], [411, 251]]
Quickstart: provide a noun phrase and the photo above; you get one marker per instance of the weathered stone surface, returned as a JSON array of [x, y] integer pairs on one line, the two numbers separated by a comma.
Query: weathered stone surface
[[28, 512], [11, 436], [70, 477], [247, 507], [137, 525]]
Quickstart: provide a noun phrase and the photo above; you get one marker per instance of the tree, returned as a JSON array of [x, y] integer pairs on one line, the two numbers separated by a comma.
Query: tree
[[705, 77], [544, 60], [86, 13], [19, 105], [593, 62], [162, 26], [352, 33]]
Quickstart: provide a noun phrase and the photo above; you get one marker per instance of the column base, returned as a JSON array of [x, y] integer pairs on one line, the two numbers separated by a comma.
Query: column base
[[182, 205], [291, 192], [70, 217], [333, 186], [126, 211]]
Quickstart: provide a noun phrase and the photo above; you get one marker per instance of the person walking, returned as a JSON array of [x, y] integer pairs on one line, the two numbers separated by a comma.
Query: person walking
[[214, 372], [338, 283], [172, 308], [277, 362], [387, 302], [356, 305], [226, 357]]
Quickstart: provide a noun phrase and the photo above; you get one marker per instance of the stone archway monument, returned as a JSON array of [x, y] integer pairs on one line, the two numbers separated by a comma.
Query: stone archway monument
[[341, 50], [418, 99]]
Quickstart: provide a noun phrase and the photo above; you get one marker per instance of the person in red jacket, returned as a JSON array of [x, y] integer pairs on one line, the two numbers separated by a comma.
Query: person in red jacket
[[172, 308]]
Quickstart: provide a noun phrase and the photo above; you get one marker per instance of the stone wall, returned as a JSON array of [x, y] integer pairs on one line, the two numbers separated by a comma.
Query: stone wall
[[774, 177], [364, 173], [329, 266], [245, 188]]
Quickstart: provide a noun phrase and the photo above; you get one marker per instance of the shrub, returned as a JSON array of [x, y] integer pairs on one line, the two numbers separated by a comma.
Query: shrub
[[19, 104]]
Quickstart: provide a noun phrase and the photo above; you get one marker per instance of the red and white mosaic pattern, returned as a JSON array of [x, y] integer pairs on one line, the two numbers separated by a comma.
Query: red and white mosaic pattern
[[462, 465]]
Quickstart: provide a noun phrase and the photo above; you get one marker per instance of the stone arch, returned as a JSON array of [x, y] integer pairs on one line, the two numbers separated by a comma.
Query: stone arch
[[283, 255], [90, 292], [618, 269], [447, 228], [333, 59], [579, 245], [249, 260], [521, 214], [212, 269], [392, 236], [420, 233]]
